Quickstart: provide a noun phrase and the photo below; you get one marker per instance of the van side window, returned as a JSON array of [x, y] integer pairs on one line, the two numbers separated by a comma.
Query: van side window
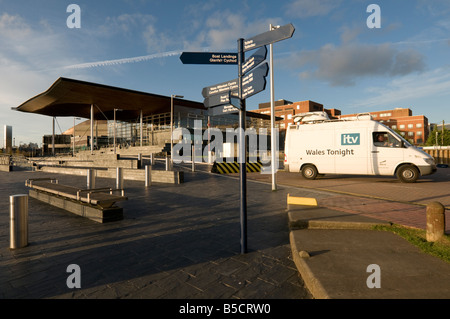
[[384, 139]]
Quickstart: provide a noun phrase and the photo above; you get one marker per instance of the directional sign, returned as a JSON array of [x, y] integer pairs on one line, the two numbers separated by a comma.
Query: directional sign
[[255, 81], [252, 83], [234, 100], [223, 109], [221, 88], [209, 58], [215, 100], [257, 86], [272, 36], [255, 59]]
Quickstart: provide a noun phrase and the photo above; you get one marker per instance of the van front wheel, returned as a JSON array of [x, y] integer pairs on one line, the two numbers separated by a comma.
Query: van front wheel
[[309, 172], [408, 174]]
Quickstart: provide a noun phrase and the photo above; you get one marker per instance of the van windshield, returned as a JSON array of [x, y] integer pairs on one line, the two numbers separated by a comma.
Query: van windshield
[[405, 142]]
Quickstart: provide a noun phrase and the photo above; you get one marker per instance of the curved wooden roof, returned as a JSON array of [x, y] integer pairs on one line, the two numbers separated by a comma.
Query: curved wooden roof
[[68, 97]]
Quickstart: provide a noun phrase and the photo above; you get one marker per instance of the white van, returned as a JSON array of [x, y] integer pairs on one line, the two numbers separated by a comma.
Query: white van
[[354, 146]]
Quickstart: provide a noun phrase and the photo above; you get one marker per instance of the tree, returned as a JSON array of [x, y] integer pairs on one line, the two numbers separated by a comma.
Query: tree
[[431, 141]]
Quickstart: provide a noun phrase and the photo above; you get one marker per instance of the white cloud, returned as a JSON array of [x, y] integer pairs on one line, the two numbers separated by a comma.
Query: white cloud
[[311, 8], [344, 65], [409, 88], [13, 26], [29, 59], [225, 28]]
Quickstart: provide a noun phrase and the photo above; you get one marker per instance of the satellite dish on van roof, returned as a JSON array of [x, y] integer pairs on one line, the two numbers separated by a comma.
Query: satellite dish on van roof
[[311, 117]]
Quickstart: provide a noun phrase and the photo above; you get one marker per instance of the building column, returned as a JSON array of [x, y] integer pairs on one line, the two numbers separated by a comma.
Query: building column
[[53, 137], [141, 126], [92, 128]]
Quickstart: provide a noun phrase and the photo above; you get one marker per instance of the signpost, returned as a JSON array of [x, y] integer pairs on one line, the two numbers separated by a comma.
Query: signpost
[[272, 36], [229, 97], [256, 58], [252, 83], [221, 88], [208, 58], [223, 109]]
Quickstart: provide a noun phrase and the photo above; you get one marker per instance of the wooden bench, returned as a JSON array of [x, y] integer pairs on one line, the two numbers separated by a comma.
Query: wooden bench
[[96, 204]]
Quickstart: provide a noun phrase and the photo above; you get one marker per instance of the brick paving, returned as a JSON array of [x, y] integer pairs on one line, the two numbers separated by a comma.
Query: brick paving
[[183, 241], [176, 241]]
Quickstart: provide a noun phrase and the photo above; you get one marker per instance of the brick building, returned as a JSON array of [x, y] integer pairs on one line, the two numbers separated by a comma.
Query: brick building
[[286, 110], [413, 128]]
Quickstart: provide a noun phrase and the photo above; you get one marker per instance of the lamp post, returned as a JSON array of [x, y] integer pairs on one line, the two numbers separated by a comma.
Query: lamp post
[[115, 129], [171, 125]]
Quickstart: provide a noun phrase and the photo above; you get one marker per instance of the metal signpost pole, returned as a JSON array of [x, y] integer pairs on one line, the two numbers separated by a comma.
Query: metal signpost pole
[[272, 117], [220, 98], [242, 152]]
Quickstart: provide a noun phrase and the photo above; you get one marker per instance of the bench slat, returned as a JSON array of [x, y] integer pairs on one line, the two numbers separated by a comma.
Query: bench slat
[[88, 196]]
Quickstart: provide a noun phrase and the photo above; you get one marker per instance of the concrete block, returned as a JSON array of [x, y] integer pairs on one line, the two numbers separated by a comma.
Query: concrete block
[[94, 213]]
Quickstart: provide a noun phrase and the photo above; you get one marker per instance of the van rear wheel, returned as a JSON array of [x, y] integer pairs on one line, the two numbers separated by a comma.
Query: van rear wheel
[[309, 172], [408, 174]]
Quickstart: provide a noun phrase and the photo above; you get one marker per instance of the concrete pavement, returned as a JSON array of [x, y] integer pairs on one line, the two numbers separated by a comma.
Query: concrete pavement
[[183, 242], [340, 257]]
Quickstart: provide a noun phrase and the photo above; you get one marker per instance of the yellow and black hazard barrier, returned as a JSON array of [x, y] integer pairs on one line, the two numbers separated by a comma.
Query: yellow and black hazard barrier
[[230, 168]]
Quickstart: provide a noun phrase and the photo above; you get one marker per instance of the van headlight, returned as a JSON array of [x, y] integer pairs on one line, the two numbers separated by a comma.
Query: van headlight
[[429, 161]]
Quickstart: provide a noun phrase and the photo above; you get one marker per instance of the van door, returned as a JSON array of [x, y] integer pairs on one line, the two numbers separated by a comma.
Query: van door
[[387, 152], [350, 155]]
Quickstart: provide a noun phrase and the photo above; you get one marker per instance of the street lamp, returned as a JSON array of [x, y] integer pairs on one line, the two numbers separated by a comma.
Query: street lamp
[[171, 125], [115, 128]]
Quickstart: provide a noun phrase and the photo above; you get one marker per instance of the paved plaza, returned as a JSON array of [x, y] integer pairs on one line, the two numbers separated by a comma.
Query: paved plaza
[[176, 241]]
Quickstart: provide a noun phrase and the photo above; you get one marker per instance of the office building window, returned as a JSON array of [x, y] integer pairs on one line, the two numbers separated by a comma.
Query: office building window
[[419, 125], [402, 126], [410, 125], [394, 127], [410, 133], [419, 133]]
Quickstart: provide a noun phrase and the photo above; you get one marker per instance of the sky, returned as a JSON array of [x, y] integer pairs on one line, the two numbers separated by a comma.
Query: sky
[[336, 57]]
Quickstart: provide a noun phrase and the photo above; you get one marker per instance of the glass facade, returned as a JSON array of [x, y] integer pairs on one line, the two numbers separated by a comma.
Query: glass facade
[[129, 133]]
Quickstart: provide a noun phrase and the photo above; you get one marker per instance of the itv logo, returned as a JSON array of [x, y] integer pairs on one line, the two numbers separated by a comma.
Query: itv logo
[[350, 139]]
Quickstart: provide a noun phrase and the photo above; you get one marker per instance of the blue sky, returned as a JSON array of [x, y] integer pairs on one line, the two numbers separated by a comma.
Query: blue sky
[[333, 57]]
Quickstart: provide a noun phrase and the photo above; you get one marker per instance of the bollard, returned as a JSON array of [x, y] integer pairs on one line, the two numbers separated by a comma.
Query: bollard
[[435, 221], [167, 163], [148, 175], [139, 160], [193, 158], [91, 178], [18, 212], [119, 178], [151, 159]]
